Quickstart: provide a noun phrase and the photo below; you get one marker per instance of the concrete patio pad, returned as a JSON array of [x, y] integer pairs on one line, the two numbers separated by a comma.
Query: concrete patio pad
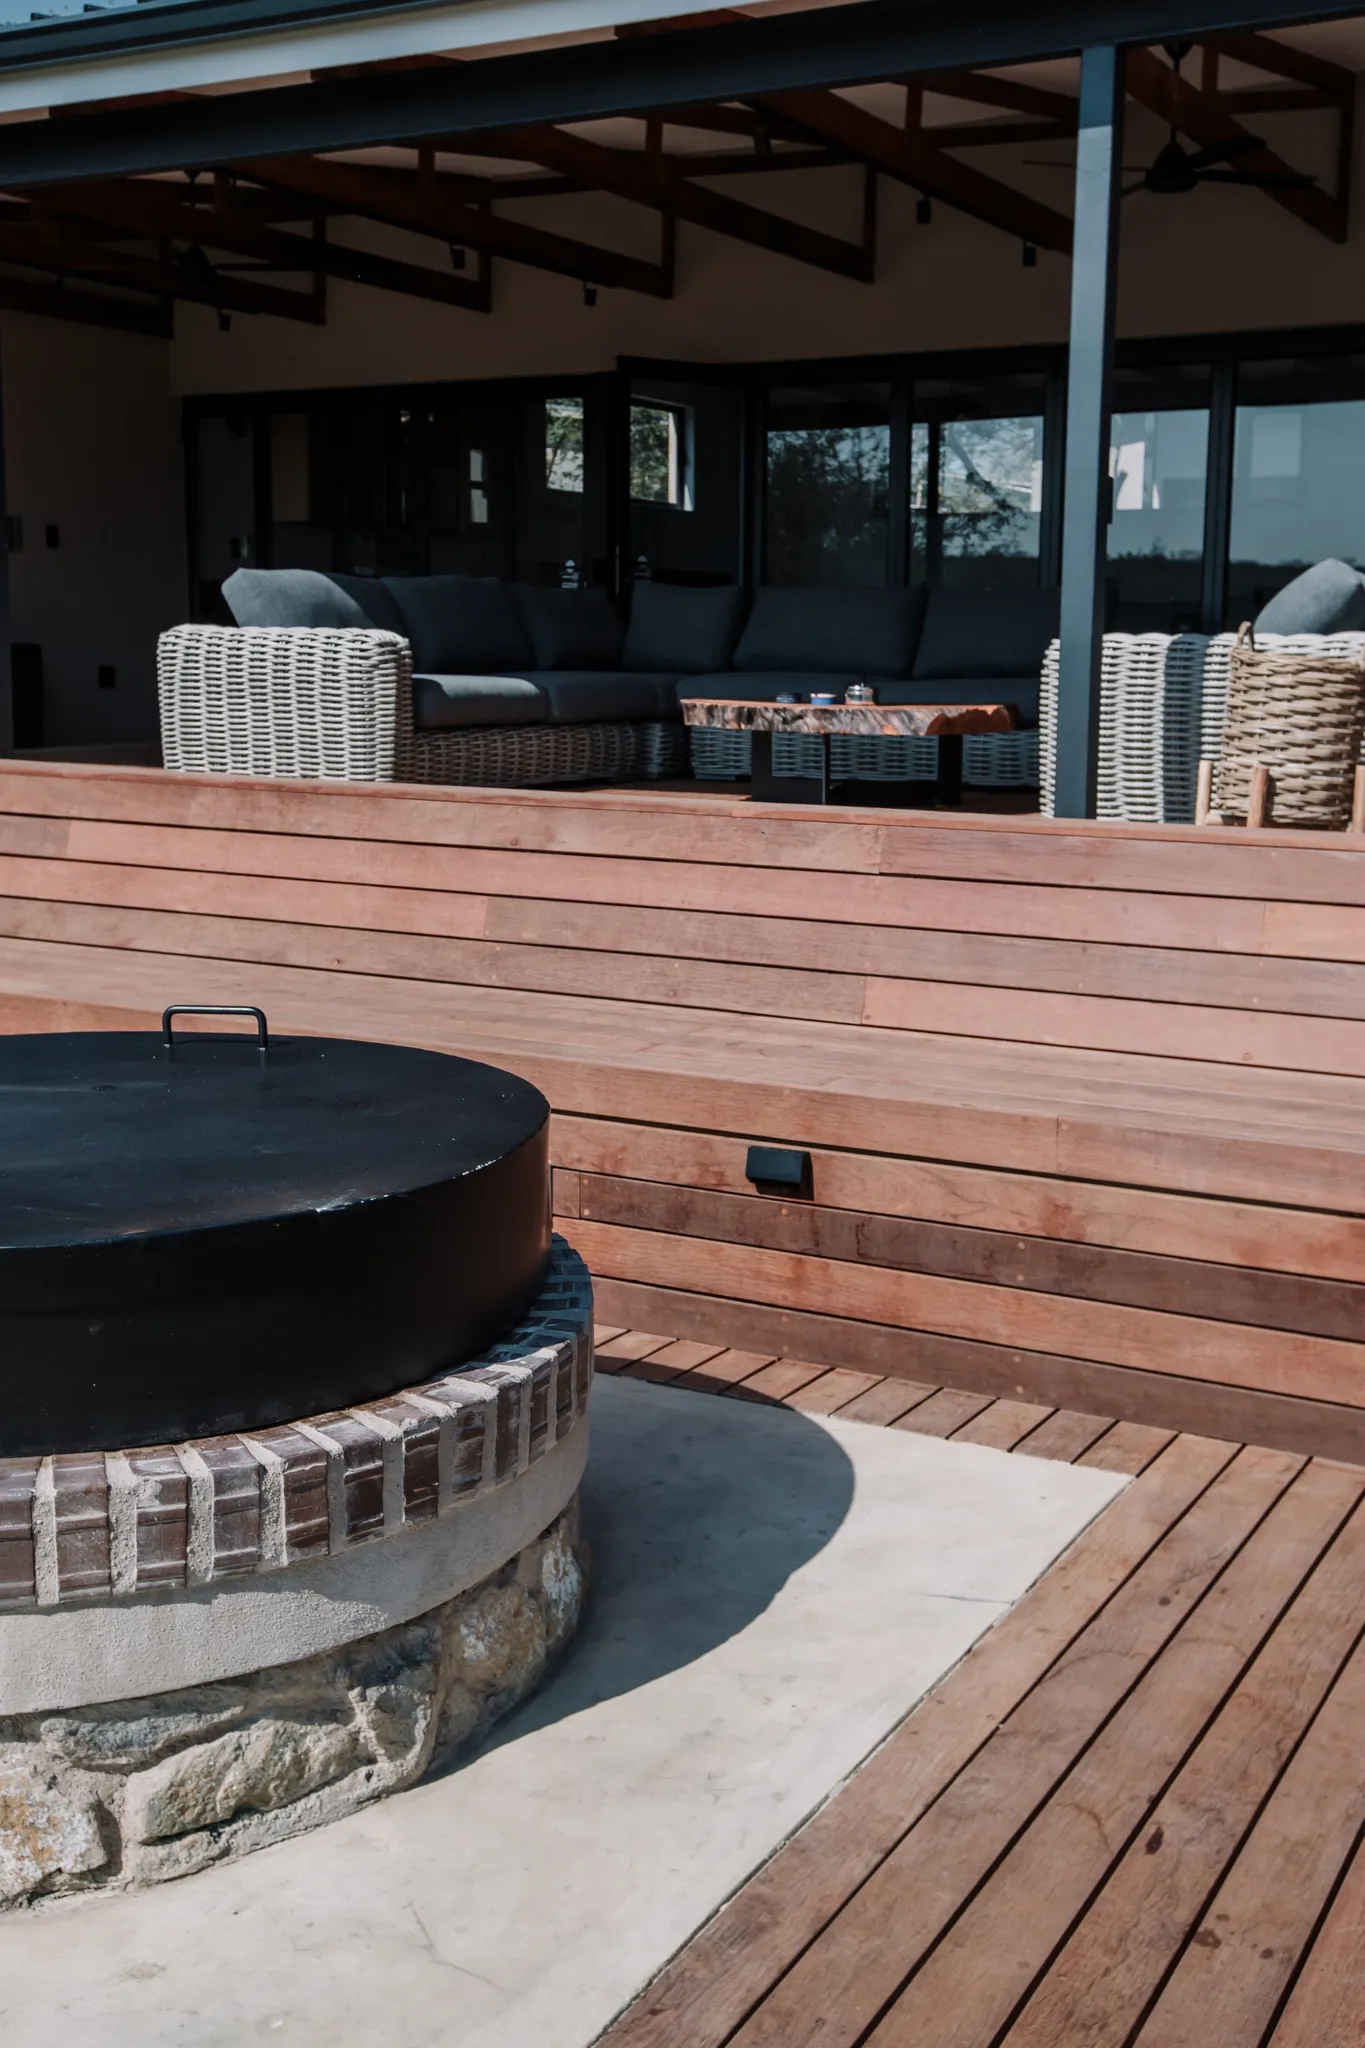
[[774, 1592]]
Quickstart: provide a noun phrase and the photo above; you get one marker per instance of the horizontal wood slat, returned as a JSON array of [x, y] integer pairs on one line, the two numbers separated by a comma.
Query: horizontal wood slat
[[1188, 1287], [1275, 1361]]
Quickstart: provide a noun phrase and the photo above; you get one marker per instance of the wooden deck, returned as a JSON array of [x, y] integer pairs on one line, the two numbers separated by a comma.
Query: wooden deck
[[1131, 1815]]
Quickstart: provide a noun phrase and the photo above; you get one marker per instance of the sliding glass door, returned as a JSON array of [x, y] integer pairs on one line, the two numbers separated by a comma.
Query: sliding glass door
[[1158, 464], [1297, 469], [827, 504], [976, 482]]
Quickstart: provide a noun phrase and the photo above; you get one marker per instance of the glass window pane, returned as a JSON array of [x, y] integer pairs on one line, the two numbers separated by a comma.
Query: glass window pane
[[1159, 465], [976, 483], [829, 466], [1296, 495], [564, 444], [658, 455]]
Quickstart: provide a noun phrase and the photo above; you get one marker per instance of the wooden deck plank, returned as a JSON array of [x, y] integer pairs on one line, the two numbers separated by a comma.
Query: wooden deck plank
[[727, 1369], [968, 1987], [1243, 1954], [839, 1988], [775, 1382], [832, 1392], [1099, 1984], [630, 1346], [1127, 1447], [886, 1401], [943, 1412], [724, 1973], [1327, 2005], [1002, 1426], [1066, 1436]]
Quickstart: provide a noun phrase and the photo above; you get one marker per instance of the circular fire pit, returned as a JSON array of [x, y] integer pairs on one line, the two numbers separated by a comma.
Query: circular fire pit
[[294, 1414]]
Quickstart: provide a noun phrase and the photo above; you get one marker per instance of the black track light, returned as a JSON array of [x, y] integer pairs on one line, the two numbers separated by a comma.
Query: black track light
[[924, 210], [590, 295], [1030, 256], [224, 322], [457, 256]]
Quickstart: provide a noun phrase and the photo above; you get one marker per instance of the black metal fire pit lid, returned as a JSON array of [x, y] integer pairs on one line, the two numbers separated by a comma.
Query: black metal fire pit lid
[[212, 1237], [107, 1135]]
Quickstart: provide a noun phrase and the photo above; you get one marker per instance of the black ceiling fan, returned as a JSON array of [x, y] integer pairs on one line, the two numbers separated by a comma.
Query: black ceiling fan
[[1175, 169]]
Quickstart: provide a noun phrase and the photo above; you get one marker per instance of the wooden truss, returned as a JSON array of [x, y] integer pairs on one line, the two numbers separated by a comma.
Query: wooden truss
[[123, 250]]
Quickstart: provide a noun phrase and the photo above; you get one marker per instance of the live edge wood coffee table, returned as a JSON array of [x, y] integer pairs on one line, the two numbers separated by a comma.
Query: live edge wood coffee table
[[947, 723]]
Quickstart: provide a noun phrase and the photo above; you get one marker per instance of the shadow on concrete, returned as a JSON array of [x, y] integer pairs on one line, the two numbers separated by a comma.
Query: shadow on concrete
[[698, 1511]]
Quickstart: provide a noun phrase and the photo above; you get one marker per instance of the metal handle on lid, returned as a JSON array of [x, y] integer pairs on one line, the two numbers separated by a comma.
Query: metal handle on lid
[[215, 1010]]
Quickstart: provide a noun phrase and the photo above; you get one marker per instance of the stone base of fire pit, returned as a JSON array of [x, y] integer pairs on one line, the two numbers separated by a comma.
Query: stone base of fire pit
[[136, 1791], [206, 1647]]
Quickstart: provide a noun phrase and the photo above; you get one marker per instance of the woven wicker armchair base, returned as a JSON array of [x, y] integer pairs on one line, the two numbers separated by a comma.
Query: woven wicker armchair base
[[1163, 708], [330, 705]]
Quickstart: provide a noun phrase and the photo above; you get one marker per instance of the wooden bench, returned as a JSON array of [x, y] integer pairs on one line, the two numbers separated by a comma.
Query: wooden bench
[[1085, 1104]]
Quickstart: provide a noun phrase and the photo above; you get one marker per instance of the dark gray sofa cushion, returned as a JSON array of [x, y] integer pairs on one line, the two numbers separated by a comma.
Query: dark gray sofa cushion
[[1328, 598], [307, 597], [569, 629], [997, 634], [460, 625], [832, 631], [458, 703], [579, 696], [691, 631]]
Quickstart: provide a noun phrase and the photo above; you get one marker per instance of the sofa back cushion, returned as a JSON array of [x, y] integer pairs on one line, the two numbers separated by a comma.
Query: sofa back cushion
[[460, 625], [689, 631], [832, 631], [569, 629], [1328, 598], [307, 597], [1001, 633]]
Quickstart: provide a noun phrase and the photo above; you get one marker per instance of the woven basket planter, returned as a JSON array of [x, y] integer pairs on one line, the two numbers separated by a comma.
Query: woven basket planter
[[1302, 718]]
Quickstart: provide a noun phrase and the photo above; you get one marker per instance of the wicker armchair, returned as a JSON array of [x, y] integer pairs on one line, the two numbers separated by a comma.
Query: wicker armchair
[[1163, 704], [329, 705]]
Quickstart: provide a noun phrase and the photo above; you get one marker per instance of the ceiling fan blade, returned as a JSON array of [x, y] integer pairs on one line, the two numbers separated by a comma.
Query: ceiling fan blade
[[1266, 181], [1219, 152]]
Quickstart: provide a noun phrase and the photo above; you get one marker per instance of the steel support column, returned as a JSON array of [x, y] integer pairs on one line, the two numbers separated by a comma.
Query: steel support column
[[1085, 517]]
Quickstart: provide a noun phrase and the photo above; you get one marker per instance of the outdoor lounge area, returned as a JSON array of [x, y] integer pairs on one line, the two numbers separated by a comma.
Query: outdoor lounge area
[[790, 583]]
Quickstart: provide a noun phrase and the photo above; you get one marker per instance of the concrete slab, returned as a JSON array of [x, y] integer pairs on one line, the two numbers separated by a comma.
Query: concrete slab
[[774, 1592]]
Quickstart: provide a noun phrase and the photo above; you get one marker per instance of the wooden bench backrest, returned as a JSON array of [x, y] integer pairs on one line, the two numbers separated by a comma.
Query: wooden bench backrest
[[1233, 947]]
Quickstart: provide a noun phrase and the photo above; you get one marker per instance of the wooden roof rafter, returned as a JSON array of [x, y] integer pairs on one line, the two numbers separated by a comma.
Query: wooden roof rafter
[[659, 182], [157, 207], [912, 156], [423, 202]]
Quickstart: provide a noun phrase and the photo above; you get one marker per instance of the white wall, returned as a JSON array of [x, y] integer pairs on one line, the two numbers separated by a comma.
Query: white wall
[[92, 447], [1219, 259]]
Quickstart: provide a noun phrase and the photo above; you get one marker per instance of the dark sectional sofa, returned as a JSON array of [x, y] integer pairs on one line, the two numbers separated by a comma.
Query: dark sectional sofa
[[496, 658]]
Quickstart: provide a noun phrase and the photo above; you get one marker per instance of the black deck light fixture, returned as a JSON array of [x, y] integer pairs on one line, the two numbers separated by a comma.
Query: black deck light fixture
[[457, 256], [1030, 255], [589, 294], [779, 1170], [924, 210]]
